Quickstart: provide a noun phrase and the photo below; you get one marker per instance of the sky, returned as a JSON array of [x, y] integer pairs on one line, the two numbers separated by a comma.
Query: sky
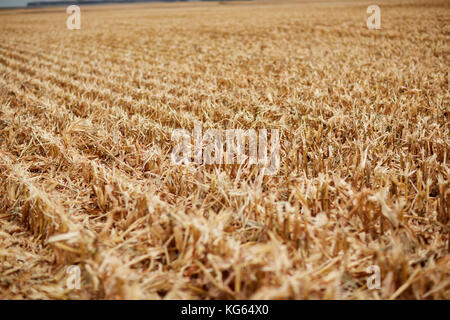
[[17, 3], [13, 3]]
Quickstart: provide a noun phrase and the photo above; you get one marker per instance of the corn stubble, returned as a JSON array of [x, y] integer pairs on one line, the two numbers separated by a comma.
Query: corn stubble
[[86, 179]]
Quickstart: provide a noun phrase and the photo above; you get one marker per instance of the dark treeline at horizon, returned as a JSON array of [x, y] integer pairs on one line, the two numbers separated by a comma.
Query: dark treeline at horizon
[[84, 2]]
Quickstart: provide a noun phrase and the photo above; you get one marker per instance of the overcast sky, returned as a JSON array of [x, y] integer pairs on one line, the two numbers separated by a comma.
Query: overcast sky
[[13, 3], [17, 3]]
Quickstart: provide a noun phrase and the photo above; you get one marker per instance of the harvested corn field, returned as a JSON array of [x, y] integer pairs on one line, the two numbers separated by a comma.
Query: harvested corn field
[[87, 178]]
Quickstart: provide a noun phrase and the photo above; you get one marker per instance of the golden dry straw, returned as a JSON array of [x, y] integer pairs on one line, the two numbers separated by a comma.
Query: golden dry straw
[[86, 118]]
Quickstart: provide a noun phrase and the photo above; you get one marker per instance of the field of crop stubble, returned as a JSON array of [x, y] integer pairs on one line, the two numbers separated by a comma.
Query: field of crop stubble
[[86, 179]]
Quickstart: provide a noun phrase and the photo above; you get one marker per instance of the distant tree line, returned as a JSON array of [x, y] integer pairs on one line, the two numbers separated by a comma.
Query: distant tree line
[[83, 2]]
